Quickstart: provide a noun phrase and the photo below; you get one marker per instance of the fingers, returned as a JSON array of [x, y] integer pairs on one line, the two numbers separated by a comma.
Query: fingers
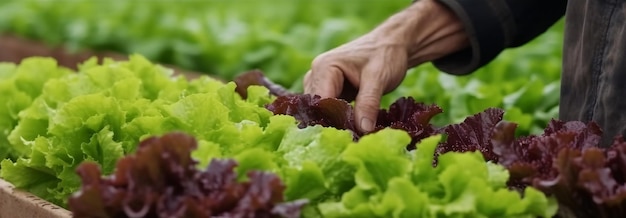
[[368, 101]]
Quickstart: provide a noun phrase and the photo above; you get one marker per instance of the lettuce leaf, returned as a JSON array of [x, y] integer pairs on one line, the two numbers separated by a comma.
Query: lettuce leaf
[[473, 134], [566, 162], [19, 86]]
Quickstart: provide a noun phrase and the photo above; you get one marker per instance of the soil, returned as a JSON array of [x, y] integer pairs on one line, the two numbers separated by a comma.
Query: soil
[[15, 49]]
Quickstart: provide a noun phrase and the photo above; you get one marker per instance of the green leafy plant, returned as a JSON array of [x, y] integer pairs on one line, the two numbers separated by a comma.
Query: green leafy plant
[[100, 113]]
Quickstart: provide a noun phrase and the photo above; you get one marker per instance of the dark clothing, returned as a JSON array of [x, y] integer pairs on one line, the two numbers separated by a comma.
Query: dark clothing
[[593, 84]]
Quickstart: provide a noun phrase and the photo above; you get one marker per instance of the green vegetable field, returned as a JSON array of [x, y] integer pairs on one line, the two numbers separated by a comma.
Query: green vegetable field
[[131, 139], [226, 38]]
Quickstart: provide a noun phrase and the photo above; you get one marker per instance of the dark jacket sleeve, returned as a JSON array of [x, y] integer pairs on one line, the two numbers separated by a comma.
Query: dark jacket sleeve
[[493, 25]]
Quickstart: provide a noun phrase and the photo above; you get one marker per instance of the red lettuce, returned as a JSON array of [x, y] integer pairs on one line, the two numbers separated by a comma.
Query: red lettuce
[[162, 180], [312, 110], [568, 163], [533, 156], [411, 116], [256, 77], [405, 114], [474, 133]]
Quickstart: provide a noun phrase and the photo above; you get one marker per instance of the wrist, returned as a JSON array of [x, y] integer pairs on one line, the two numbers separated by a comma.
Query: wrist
[[427, 30]]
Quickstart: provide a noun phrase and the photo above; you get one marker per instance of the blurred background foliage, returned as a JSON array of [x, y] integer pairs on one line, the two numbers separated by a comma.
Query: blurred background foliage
[[280, 37]]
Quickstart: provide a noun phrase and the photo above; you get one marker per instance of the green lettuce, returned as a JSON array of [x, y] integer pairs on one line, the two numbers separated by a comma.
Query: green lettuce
[[19, 85], [393, 183], [100, 114]]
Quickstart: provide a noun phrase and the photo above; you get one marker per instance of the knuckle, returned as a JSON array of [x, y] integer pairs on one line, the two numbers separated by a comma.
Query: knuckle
[[369, 101], [329, 59], [368, 97], [321, 60]]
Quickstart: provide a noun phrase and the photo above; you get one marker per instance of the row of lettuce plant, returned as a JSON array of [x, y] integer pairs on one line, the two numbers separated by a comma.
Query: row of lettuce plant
[[57, 123], [99, 114]]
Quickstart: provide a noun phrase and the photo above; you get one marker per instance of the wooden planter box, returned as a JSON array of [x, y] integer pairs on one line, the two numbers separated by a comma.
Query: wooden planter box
[[16, 203]]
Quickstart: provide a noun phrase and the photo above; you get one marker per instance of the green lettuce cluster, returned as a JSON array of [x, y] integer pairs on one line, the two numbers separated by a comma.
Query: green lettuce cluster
[[388, 184], [102, 112]]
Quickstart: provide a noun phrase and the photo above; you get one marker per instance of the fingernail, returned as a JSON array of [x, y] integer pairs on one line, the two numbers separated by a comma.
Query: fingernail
[[367, 124]]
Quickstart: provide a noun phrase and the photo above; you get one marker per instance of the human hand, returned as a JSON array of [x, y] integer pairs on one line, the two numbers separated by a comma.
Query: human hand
[[375, 63], [365, 64]]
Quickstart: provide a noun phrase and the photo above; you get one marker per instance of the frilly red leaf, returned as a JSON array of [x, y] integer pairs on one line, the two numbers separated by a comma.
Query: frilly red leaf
[[312, 110], [408, 115], [567, 162], [161, 180], [473, 134]]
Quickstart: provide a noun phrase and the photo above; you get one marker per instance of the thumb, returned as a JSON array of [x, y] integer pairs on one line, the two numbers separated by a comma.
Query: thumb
[[367, 103]]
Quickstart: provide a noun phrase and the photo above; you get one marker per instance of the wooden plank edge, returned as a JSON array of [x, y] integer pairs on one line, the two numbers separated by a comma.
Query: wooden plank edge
[[16, 203]]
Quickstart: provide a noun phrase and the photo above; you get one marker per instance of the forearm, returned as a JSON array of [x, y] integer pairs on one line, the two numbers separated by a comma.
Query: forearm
[[493, 26], [426, 29]]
